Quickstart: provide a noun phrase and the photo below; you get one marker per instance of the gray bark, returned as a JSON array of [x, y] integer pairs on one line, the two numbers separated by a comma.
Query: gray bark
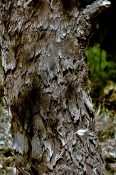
[[46, 85]]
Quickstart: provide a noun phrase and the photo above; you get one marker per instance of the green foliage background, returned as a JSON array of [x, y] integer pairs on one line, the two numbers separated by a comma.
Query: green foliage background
[[102, 69]]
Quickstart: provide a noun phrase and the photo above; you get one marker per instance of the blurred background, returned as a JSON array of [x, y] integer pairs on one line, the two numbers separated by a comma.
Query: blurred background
[[101, 56]]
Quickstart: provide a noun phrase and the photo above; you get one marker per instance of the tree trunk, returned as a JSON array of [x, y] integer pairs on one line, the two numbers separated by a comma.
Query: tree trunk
[[46, 85]]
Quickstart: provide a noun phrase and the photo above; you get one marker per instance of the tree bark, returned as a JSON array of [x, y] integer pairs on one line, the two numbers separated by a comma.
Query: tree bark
[[46, 85]]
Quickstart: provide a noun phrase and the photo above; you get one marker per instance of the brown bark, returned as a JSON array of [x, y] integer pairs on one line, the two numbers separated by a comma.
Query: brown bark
[[46, 85]]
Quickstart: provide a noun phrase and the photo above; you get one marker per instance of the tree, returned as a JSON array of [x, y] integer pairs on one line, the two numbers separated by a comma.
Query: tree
[[46, 85]]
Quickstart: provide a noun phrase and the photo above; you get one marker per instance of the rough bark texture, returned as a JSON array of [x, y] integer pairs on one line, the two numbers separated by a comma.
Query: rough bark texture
[[46, 85]]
